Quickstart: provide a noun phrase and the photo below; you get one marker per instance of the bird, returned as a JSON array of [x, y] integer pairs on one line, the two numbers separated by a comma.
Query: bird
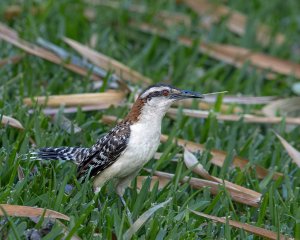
[[120, 154]]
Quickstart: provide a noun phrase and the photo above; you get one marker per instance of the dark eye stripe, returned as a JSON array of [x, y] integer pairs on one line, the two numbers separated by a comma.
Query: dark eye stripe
[[154, 94]]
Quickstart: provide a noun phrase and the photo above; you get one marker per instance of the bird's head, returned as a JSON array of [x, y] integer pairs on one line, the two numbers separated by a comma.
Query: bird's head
[[156, 100], [162, 95]]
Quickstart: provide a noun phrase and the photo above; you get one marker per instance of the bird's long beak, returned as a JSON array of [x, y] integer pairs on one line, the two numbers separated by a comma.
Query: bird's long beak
[[183, 94]]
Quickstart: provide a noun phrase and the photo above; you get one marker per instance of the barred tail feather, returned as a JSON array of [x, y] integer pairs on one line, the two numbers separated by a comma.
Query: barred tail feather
[[75, 154]]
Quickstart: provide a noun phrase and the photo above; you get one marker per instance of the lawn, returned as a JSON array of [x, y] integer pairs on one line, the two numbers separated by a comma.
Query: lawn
[[251, 51]]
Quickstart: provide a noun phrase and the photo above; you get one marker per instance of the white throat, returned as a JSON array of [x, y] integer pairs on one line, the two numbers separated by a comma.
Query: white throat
[[153, 115]]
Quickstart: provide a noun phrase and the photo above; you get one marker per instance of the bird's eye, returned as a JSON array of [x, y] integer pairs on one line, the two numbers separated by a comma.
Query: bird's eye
[[165, 92]]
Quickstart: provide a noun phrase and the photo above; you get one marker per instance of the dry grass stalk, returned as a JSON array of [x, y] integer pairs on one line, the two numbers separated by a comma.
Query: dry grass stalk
[[25, 211], [8, 31], [293, 153], [235, 22], [85, 108], [247, 227], [229, 117], [105, 99], [107, 63], [214, 188], [9, 35]]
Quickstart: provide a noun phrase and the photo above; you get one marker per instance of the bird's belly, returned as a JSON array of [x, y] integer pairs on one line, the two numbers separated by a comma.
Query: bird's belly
[[140, 150]]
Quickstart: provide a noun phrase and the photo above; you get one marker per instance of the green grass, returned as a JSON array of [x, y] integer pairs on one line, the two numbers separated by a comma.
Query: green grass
[[162, 61]]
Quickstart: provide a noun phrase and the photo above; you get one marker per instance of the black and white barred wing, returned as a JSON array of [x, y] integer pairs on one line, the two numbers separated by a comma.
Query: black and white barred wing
[[106, 151]]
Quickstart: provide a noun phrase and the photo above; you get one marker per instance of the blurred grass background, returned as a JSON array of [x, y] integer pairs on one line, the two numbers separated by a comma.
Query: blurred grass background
[[163, 61]]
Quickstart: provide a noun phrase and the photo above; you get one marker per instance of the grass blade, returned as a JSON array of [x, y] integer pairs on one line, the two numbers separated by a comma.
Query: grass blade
[[143, 219]]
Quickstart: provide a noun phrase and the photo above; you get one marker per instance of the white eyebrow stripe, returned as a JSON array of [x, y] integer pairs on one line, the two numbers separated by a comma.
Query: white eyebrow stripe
[[154, 89]]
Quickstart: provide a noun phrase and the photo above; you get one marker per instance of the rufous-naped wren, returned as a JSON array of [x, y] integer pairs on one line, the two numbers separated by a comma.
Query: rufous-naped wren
[[124, 150]]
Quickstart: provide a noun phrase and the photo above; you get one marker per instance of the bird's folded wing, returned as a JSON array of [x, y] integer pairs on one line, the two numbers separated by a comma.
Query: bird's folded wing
[[106, 151]]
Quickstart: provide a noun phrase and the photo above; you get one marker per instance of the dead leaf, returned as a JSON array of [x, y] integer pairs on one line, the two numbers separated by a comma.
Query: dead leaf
[[293, 153], [235, 21], [5, 120], [9, 35], [218, 156], [247, 118], [143, 219], [192, 163], [214, 188], [247, 227], [107, 63], [26, 211], [236, 56], [105, 99], [284, 107]]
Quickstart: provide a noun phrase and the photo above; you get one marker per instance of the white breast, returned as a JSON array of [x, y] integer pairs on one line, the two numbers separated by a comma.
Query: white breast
[[142, 145], [143, 142]]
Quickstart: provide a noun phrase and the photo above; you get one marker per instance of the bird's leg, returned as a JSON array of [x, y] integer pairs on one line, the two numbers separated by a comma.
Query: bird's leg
[[129, 216], [98, 182], [97, 193], [121, 185]]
